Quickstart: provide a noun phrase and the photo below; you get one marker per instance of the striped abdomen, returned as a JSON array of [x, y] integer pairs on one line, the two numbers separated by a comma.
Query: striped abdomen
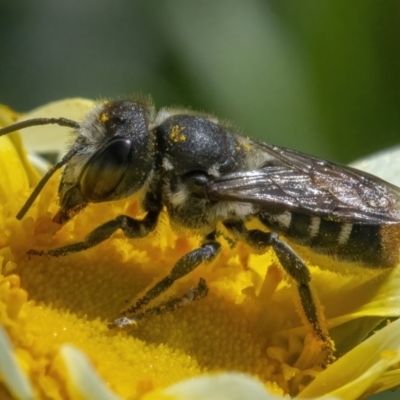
[[370, 245]]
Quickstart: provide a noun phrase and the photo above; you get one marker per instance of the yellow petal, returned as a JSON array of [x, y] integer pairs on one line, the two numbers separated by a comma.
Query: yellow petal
[[18, 158], [13, 174], [358, 372]]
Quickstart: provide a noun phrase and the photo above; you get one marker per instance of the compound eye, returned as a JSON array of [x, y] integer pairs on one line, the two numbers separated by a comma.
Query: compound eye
[[105, 170]]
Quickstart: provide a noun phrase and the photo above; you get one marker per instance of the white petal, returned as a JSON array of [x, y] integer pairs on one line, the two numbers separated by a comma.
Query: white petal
[[53, 138], [12, 374], [228, 386], [83, 376]]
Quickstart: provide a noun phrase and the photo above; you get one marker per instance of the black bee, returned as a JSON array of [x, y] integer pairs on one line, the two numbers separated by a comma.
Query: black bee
[[205, 174]]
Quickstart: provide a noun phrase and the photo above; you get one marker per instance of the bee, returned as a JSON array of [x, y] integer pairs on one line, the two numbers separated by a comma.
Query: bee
[[205, 174]]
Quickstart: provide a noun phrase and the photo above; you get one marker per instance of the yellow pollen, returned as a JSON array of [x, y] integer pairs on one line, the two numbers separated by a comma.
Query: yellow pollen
[[176, 134], [104, 117]]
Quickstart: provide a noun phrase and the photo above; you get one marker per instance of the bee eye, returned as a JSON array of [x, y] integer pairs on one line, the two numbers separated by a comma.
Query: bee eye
[[105, 170]]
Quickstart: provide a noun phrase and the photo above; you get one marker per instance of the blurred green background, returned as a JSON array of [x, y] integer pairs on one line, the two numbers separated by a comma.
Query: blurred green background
[[321, 76], [314, 75]]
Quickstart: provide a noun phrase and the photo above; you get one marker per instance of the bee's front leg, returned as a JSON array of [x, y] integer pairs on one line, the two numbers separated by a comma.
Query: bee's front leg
[[132, 228]]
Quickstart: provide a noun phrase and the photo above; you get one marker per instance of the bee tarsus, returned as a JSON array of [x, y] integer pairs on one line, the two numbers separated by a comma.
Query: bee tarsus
[[193, 294]]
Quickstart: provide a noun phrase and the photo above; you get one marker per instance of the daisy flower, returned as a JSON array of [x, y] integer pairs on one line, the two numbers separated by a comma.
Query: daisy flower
[[245, 340]]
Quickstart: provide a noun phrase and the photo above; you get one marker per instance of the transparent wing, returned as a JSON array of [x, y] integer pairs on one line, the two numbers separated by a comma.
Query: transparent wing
[[298, 182]]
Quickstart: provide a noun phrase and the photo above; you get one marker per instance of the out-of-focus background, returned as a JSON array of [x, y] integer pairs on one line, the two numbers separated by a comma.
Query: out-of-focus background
[[320, 76]]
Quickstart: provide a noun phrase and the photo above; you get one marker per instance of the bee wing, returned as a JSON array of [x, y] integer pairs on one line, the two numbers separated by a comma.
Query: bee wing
[[297, 182]]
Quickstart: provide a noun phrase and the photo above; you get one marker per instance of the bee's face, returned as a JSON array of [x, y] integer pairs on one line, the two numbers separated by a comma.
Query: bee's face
[[114, 158]]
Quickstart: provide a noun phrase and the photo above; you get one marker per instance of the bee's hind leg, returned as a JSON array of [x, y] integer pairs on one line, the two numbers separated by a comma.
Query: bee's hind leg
[[296, 268]]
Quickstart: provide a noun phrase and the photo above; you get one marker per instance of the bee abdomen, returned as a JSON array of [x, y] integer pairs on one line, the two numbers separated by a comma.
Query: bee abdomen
[[368, 244]]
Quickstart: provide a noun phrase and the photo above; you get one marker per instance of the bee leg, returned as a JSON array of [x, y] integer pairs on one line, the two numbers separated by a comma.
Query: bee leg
[[131, 227], [295, 267], [193, 294], [207, 252]]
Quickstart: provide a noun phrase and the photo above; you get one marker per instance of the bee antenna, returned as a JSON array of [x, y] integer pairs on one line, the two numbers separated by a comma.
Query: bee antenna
[[37, 122], [44, 180]]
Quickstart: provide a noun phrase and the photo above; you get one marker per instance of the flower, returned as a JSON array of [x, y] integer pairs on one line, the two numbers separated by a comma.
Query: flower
[[56, 344]]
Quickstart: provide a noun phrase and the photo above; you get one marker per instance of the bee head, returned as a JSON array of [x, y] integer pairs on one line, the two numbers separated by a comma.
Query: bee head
[[112, 157]]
